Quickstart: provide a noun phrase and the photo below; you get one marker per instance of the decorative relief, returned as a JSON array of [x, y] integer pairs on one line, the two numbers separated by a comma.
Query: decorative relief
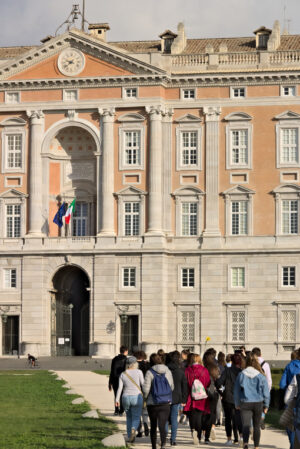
[[212, 114], [72, 140], [80, 170]]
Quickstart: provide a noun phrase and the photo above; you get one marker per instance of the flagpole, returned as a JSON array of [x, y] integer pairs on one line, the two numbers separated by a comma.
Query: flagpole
[[83, 15]]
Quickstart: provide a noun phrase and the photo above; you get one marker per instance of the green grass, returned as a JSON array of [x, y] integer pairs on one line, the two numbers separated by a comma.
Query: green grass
[[272, 418], [104, 372], [35, 413]]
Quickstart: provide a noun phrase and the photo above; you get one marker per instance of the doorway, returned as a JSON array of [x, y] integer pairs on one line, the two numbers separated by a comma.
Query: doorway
[[130, 332], [70, 313], [10, 336]]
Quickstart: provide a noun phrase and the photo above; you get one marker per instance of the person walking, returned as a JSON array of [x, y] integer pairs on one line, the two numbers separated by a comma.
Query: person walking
[[158, 387], [225, 383], [179, 394], [117, 367], [130, 386], [196, 408], [143, 366], [252, 397], [209, 421]]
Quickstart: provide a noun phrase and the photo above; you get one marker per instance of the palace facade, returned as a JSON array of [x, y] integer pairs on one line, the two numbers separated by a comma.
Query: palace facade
[[183, 157]]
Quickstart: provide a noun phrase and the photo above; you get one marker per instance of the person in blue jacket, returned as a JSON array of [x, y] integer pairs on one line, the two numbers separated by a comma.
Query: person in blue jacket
[[251, 397], [289, 372]]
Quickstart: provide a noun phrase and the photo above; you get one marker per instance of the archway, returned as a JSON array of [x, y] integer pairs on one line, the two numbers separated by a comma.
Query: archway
[[70, 312]]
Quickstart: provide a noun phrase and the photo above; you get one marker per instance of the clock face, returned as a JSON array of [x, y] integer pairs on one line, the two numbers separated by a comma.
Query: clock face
[[71, 62]]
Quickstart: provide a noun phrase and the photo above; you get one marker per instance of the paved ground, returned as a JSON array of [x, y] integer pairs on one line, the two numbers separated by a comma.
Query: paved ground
[[93, 387]]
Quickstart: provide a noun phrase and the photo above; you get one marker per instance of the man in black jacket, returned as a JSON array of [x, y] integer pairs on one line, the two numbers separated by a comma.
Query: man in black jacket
[[117, 367]]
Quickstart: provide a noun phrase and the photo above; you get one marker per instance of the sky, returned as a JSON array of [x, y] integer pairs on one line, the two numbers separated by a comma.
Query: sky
[[25, 22]]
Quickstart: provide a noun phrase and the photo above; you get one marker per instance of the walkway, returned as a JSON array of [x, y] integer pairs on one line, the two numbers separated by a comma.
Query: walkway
[[93, 387]]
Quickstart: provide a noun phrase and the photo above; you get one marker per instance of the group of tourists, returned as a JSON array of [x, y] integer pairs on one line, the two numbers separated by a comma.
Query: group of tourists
[[183, 387]]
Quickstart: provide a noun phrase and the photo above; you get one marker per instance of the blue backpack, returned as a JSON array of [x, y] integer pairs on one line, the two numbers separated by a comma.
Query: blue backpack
[[160, 390]]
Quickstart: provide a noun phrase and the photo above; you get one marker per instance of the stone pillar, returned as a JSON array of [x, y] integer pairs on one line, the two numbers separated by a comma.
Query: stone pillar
[[212, 115], [106, 204], [35, 215], [167, 170], [155, 171]]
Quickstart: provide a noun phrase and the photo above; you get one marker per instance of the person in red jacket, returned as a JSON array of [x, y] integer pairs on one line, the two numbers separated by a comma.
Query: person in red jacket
[[196, 409]]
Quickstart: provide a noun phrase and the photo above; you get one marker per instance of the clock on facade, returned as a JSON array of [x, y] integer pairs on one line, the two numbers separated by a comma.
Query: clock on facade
[[71, 62]]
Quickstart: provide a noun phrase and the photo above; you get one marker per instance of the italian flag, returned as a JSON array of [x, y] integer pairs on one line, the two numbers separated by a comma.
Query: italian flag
[[70, 211]]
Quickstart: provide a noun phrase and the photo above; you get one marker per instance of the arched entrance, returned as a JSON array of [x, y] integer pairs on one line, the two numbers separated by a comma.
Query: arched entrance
[[70, 312]]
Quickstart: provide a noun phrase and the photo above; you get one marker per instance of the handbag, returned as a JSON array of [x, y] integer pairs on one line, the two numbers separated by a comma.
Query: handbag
[[137, 386], [286, 420]]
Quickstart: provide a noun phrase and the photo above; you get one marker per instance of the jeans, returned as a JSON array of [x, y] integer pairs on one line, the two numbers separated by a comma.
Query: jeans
[[133, 407], [173, 421], [251, 411], [159, 415]]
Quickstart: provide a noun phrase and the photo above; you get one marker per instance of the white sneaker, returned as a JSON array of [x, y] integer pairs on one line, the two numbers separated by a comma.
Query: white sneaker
[[213, 434], [195, 437], [229, 443], [241, 442]]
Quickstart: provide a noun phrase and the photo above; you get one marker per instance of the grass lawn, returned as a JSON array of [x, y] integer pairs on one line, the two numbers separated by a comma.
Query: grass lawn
[[103, 372], [36, 413]]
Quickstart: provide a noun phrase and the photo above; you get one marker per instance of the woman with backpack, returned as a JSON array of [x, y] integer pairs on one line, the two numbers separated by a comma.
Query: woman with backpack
[[197, 404], [157, 388], [252, 397], [209, 421]]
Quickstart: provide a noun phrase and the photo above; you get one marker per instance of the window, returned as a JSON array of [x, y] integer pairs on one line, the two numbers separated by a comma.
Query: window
[[129, 277], [70, 95], [288, 325], [188, 94], [238, 277], [288, 276], [239, 217], [13, 220], [187, 326], [132, 218], [80, 220], [10, 278], [239, 147], [189, 216], [289, 146], [130, 92], [131, 145], [238, 92], [14, 151], [189, 147], [290, 217], [263, 40], [238, 325], [288, 91], [132, 148], [238, 141], [12, 97], [187, 277]]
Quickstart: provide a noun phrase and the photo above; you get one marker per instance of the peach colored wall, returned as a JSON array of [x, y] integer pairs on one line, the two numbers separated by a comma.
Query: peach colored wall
[[51, 119], [2, 97], [54, 178], [213, 92], [100, 92], [41, 95], [172, 94], [263, 91]]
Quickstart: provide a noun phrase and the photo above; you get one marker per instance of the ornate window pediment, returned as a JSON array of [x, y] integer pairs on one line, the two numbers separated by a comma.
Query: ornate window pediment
[[237, 117], [13, 193], [238, 190], [189, 118], [131, 117], [287, 188], [130, 191], [188, 191], [288, 115], [13, 121]]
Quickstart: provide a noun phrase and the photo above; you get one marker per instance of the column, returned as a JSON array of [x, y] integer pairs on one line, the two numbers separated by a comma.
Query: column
[[167, 170], [35, 215], [212, 115], [155, 171], [106, 199]]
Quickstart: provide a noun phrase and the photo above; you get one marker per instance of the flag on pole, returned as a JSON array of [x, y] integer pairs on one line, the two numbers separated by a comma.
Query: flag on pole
[[70, 211], [59, 215]]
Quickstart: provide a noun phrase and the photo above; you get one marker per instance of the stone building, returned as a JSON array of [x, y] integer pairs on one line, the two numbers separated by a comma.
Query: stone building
[[183, 157]]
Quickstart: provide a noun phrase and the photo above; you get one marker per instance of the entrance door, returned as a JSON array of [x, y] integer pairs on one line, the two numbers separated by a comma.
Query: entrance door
[[10, 336], [130, 332], [63, 329]]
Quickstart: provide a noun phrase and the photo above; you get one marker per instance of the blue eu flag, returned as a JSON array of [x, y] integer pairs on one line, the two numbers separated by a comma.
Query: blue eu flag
[[58, 216]]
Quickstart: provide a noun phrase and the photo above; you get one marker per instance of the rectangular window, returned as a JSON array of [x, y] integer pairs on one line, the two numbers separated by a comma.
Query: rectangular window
[[71, 95], [12, 97], [239, 147], [288, 276], [10, 278], [189, 219], [131, 92], [238, 325], [13, 220], [187, 277], [129, 277], [288, 325], [290, 216], [289, 145], [238, 92], [189, 93], [14, 150], [188, 326], [189, 144], [288, 91], [80, 220], [132, 218], [238, 277], [132, 148], [239, 217]]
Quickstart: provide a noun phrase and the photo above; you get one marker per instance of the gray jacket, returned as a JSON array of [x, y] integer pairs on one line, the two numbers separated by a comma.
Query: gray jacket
[[160, 369]]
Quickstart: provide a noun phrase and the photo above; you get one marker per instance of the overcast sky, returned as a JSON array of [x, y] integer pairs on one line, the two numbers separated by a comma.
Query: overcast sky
[[25, 22]]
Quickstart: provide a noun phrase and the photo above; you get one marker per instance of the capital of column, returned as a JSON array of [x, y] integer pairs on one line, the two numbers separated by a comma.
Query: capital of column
[[168, 114], [155, 112], [108, 114], [36, 117], [212, 114]]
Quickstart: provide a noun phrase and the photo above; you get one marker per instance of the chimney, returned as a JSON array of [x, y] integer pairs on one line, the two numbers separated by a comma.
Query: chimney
[[179, 43], [99, 30], [274, 41]]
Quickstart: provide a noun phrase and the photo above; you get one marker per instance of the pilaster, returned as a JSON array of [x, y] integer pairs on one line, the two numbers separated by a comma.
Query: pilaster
[[167, 170]]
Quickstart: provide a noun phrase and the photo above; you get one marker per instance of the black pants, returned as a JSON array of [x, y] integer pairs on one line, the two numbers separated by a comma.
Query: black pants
[[251, 411], [209, 420], [233, 422], [158, 415], [196, 419], [119, 409]]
